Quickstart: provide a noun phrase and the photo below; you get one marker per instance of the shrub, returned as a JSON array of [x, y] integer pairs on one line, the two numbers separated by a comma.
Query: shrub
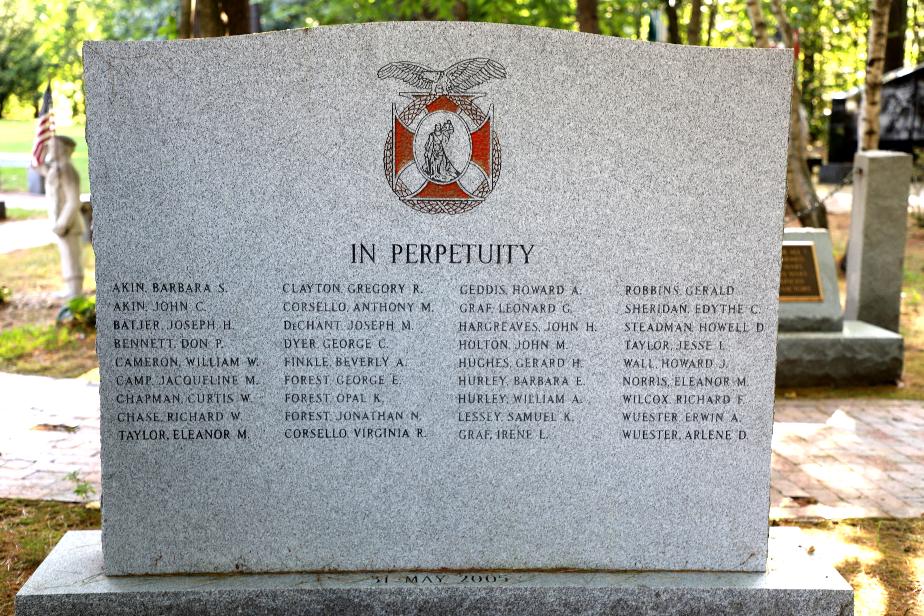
[[80, 313]]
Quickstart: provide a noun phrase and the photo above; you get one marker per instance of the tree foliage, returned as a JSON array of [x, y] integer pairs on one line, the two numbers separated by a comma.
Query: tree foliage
[[20, 64], [61, 28], [832, 34]]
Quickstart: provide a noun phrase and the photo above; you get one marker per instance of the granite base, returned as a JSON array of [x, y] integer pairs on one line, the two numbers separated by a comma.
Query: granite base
[[71, 582], [859, 354]]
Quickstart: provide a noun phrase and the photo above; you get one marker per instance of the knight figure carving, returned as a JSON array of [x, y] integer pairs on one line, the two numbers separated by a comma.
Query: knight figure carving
[[438, 164]]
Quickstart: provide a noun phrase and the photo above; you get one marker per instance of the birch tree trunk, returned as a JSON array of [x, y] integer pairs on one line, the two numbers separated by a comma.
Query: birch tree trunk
[[878, 34], [758, 23], [695, 25], [587, 18]]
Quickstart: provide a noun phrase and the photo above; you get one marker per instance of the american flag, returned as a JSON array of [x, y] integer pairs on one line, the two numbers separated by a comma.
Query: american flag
[[44, 129]]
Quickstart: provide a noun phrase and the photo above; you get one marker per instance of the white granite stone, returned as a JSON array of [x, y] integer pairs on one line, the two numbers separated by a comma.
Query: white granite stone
[[254, 164], [71, 582], [876, 247]]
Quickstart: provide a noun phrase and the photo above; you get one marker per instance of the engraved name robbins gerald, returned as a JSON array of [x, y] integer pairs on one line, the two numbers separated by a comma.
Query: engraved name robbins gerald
[[442, 155]]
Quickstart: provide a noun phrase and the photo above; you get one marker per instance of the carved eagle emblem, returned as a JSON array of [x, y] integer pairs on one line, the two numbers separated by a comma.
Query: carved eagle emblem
[[459, 77]]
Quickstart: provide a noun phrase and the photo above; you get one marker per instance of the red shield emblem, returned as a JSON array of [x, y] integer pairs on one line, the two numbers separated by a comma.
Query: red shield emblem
[[442, 154]]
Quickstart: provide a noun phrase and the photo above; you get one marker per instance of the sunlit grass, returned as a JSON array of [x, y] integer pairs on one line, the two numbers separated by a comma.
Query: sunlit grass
[[19, 341], [30, 342], [28, 531], [883, 559], [49, 350], [39, 270], [13, 179], [15, 213]]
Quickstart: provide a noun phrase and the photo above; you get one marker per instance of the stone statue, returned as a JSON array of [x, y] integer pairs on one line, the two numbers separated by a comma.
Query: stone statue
[[62, 188]]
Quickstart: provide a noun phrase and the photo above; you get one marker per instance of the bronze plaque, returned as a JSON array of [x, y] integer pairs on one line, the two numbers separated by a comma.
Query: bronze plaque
[[800, 280]]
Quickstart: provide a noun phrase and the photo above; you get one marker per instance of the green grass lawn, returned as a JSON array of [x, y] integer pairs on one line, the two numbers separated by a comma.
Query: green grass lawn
[[15, 213], [30, 342], [48, 349], [28, 531], [16, 137]]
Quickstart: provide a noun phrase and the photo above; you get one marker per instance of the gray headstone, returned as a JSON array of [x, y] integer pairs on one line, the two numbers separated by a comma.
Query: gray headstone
[[598, 395], [812, 258], [36, 181], [876, 249], [834, 173]]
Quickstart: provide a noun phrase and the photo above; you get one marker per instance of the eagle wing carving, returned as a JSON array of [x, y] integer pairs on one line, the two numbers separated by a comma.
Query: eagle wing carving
[[469, 73], [416, 75], [459, 77]]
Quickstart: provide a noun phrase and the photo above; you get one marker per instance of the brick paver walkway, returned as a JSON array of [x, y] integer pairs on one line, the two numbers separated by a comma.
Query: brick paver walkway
[[49, 428], [831, 458], [848, 458]]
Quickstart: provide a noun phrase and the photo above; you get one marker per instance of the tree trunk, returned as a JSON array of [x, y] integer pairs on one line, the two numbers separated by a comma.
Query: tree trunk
[[869, 117], [208, 18], [637, 16], [758, 23], [673, 21], [782, 20], [808, 75], [800, 191], [587, 18], [713, 10], [238, 14], [460, 10], [801, 198], [427, 13], [695, 25], [195, 26], [184, 20], [895, 45], [255, 25], [811, 44]]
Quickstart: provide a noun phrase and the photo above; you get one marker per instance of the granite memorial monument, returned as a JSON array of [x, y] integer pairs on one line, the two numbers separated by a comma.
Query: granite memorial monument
[[457, 299]]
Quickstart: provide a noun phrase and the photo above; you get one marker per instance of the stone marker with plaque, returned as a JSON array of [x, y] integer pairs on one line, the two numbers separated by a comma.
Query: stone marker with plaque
[[816, 346], [437, 318], [809, 295], [799, 277]]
